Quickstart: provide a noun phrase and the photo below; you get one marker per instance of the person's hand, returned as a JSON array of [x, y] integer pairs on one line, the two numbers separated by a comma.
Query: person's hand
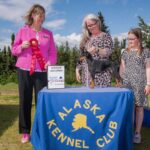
[[102, 52], [118, 83], [92, 50], [147, 89], [47, 64], [78, 76], [25, 44]]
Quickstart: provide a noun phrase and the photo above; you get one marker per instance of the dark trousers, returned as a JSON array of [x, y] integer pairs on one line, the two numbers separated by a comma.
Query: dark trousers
[[26, 85]]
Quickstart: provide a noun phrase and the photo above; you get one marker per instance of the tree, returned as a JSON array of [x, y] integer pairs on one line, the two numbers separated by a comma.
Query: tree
[[7, 65], [116, 54], [146, 31], [67, 56], [104, 27], [123, 44], [74, 54], [12, 38]]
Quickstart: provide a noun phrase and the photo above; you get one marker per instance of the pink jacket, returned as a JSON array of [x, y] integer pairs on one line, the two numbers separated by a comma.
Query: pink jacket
[[46, 45]]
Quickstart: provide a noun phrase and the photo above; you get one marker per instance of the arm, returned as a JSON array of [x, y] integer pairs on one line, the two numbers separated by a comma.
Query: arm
[[78, 69], [147, 87], [78, 76], [108, 45], [122, 68], [53, 51], [16, 47], [19, 45]]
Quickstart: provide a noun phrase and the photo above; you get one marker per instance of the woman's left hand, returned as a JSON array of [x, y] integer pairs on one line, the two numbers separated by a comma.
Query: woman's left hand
[[147, 89], [47, 64]]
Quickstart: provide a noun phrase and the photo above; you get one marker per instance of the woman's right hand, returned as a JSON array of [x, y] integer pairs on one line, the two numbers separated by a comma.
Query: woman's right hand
[[78, 76], [102, 52], [25, 44], [92, 50]]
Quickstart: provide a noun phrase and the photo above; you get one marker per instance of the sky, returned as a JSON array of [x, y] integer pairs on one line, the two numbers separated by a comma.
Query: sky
[[64, 17]]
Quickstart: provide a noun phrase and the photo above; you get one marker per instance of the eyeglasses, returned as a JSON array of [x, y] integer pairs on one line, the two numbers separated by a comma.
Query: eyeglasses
[[92, 25], [131, 39]]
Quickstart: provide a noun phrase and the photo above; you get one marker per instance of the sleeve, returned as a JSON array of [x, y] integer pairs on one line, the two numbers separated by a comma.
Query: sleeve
[[147, 64], [123, 54], [16, 47], [53, 51], [108, 44], [147, 56]]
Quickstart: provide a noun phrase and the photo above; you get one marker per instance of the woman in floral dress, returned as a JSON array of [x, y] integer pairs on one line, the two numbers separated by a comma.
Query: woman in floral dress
[[99, 45]]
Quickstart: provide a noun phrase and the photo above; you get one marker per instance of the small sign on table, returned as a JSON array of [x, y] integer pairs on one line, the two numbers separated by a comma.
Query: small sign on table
[[56, 77]]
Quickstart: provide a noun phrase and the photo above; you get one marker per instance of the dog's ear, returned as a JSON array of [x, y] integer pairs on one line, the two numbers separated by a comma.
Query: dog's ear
[[82, 52], [89, 56]]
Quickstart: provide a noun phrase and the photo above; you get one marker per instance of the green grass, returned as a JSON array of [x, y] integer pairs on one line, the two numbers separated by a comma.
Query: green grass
[[9, 86], [9, 137]]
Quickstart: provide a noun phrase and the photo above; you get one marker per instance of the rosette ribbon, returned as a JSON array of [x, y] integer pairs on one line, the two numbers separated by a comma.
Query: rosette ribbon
[[36, 55]]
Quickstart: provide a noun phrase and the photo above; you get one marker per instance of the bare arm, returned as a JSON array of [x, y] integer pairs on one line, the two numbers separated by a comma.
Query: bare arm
[[147, 87], [122, 68], [78, 76]]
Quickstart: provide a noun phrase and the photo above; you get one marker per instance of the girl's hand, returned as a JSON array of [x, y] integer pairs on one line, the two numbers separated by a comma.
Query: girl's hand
[[147, 90], [25, 44]]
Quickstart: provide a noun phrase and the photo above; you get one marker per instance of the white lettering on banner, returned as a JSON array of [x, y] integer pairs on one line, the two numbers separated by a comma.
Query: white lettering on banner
[[80, 121]]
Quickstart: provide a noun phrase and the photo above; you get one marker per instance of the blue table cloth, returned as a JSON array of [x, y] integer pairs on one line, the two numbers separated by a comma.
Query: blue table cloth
[[146, 120], [83, 118]]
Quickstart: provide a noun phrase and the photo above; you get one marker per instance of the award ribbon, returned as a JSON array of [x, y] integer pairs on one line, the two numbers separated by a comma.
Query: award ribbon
[[36, 54]]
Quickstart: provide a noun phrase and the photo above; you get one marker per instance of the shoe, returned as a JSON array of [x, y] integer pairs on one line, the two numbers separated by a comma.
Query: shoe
[[137, 138], [25, 138]]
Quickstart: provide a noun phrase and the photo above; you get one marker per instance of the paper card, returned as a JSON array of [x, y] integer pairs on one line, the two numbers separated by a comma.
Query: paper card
[[56, 77]]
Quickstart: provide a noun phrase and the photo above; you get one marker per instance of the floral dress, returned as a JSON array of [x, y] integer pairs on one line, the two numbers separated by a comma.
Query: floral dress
[[134, 77], [102, 41]]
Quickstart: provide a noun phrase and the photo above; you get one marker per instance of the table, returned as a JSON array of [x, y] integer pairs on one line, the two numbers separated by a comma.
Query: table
[[146, 120], [83, 118]]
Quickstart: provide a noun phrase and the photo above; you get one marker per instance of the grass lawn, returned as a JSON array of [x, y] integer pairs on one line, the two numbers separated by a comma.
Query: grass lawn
[[9, 137]]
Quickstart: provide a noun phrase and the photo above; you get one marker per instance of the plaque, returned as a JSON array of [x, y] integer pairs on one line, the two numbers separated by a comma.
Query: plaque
[[56, 77]]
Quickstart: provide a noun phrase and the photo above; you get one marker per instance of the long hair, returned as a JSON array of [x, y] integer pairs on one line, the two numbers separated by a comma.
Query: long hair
[[35, 9], [85, 33], [138, 33]]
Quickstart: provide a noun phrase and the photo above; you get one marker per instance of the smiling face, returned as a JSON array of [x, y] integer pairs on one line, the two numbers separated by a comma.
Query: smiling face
[[92, 26], [38, 18]]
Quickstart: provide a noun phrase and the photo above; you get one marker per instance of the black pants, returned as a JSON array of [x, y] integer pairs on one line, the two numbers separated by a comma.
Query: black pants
[[26, 85]]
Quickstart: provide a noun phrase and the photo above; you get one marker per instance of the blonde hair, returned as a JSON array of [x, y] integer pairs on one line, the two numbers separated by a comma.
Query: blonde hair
[[85, 33], [138, 33], [35, 9]]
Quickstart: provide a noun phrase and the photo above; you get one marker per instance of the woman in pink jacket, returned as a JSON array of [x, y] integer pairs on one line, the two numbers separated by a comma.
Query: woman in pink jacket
[[35, 49]]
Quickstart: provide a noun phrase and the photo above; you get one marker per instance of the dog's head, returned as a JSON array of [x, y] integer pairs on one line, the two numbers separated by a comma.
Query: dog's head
[[85, 55]]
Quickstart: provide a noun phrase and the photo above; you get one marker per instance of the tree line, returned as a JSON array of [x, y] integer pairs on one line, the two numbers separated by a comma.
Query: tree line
[[67, 55]]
